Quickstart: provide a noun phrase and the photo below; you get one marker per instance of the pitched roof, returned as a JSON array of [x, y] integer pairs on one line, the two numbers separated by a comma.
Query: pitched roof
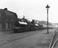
[[7, 15]]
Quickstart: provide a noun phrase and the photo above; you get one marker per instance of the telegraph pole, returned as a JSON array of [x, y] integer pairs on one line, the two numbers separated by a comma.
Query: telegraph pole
[[47, 18]]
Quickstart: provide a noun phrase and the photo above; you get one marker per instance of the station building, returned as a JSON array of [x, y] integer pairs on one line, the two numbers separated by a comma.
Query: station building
[[7, 20]]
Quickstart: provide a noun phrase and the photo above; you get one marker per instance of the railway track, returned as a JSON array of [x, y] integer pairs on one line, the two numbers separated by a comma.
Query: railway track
[[55, 45], [54, 41]]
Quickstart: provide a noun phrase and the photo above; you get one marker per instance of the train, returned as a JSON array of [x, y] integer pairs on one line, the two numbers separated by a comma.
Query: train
[[26, 28]]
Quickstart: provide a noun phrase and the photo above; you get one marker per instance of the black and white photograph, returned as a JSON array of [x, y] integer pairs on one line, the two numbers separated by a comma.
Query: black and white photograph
[[28, 23]]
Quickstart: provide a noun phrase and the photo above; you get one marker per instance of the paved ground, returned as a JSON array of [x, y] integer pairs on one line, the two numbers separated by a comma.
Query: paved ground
[[35, 39]]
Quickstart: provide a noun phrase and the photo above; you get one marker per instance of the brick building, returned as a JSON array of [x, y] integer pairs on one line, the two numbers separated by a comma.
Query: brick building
[[7, 20]]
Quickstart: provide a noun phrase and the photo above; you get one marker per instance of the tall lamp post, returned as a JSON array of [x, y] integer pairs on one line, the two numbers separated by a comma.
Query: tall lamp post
[[47, 18]]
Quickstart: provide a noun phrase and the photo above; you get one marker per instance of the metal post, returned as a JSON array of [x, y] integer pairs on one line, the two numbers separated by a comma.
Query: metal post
[[47, 19]]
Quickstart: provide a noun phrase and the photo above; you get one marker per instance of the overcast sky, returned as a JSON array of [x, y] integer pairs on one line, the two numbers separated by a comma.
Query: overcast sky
[[33, 9]]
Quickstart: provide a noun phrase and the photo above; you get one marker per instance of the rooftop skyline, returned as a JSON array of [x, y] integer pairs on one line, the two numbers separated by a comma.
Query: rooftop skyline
[[33, 9]]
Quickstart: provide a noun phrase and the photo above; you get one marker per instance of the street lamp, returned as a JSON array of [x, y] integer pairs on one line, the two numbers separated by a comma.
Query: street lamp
[[47, 18]]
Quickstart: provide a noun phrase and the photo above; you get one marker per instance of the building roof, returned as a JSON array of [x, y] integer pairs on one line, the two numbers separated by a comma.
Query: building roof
[[7, 15]]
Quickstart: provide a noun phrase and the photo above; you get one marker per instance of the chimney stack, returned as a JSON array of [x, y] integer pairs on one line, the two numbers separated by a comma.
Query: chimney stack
[[5, 8]]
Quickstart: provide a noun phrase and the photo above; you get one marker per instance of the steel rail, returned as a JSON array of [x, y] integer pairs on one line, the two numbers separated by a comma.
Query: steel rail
[[52, 40], [54, 44]]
